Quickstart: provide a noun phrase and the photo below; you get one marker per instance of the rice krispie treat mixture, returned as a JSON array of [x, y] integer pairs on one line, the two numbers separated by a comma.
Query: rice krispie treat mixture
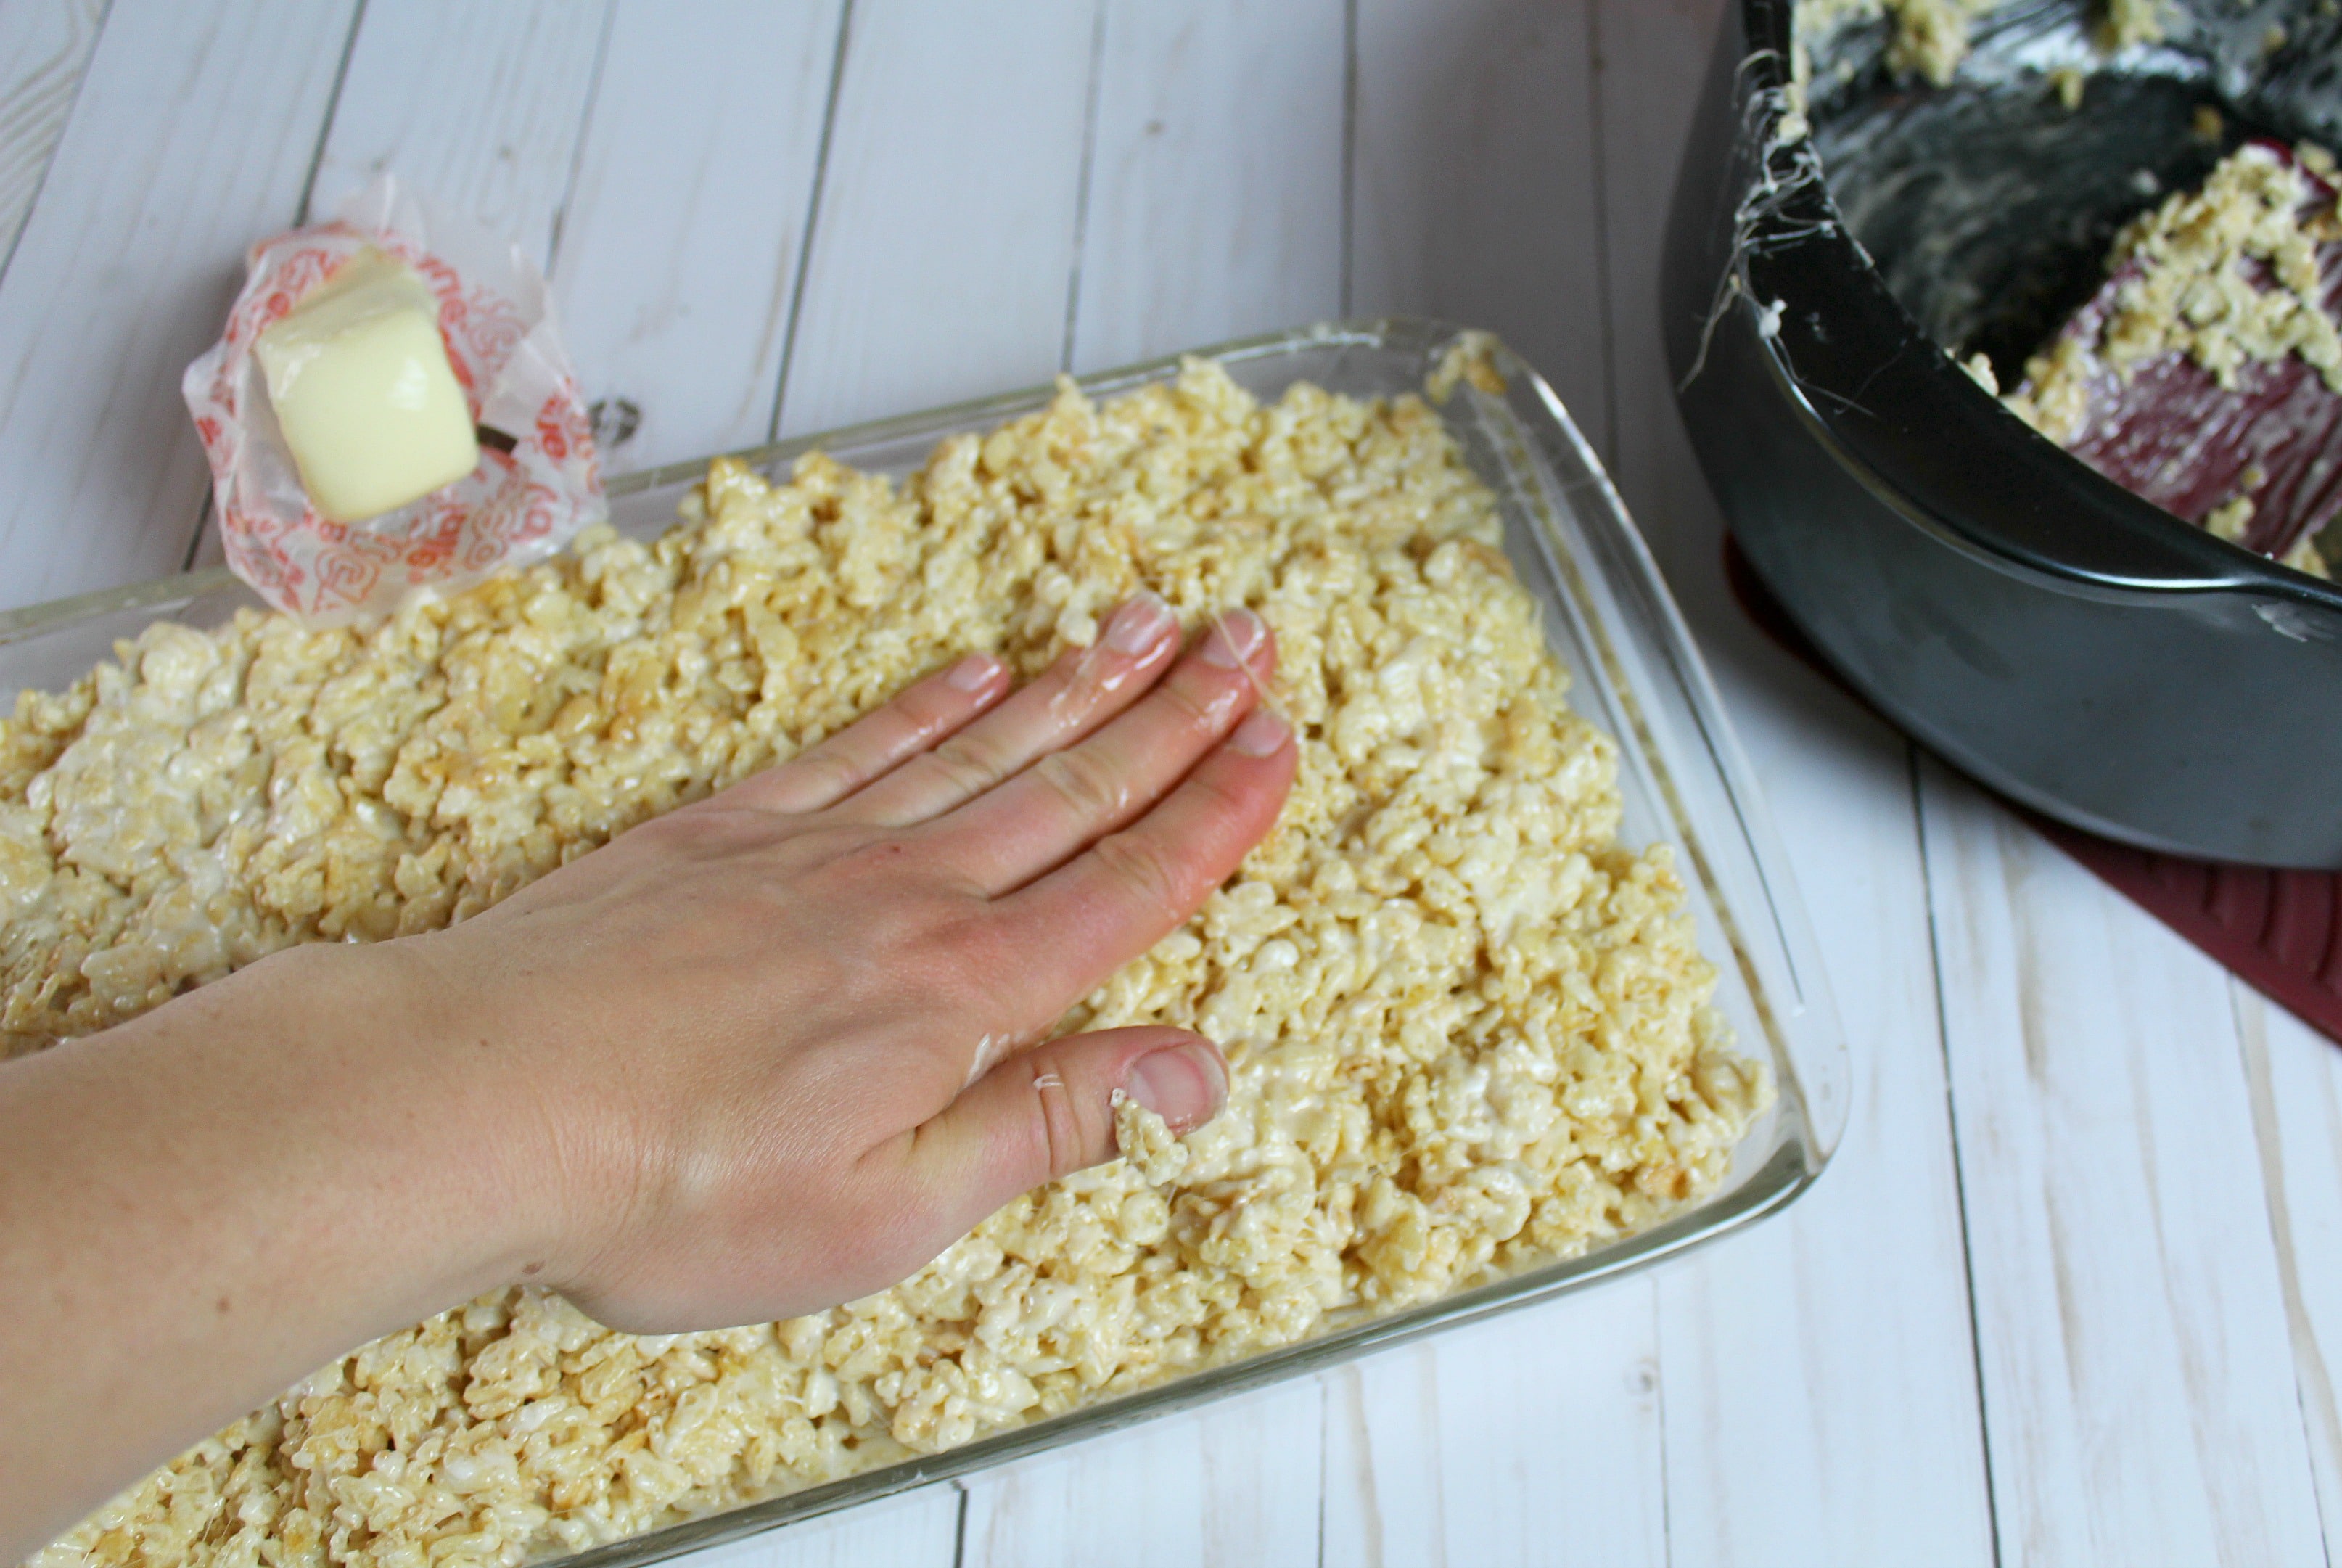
[[1469, 1030], [1931, 38], [2226, 274], [2235, 275]]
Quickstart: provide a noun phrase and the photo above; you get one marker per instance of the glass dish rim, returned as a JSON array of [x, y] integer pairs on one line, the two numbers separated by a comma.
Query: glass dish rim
[[1789, 1169]]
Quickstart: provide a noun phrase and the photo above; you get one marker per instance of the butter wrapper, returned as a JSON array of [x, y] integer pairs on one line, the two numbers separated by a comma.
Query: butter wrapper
[[495, 315]]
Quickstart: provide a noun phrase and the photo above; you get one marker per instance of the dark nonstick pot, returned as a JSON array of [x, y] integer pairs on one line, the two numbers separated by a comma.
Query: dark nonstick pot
[[2058, 638]]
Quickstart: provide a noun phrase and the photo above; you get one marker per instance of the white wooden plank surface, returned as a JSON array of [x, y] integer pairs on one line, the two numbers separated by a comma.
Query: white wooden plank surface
[[1215, 197], [1534, 1438], [944, 242], [44, 45], [1811, 1363], [1474, 181], [679, 249], [2139, 1390], [1224, 1487], [2293, 1076], [192, 135], [479, 106]]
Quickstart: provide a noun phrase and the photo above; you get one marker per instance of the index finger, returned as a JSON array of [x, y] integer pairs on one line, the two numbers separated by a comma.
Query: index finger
[[1131, 889]]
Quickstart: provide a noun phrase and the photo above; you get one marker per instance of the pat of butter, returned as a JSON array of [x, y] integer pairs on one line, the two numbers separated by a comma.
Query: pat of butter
[[359, 377]]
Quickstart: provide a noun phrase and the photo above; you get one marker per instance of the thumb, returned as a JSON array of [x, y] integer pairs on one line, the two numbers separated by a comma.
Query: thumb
[[1045, 1112]]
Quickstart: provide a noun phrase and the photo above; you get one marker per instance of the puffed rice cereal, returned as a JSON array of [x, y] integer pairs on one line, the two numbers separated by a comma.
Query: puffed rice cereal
[[1145, 1139], [1470, 1031]]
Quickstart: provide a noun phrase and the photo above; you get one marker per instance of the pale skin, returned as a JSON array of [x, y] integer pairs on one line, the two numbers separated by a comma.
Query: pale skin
[[763, 1054]]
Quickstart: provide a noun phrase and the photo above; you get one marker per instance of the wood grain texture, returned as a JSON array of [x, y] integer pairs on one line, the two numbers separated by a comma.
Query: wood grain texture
[[942, 247], [679, 249], [1474, 186], [192, 136], [2139, 1385], [1222, 1486], [1215, 198], [1532, 1438], [45, 46], [2293, 1076], [1807, 1362], [480, 107]]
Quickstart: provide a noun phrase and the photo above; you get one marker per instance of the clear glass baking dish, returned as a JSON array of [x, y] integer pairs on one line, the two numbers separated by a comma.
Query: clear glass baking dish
[[1609, 618]]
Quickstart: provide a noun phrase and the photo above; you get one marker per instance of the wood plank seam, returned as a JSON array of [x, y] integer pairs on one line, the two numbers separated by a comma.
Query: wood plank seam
[[1325, 1449], [72, 97], [196, 539], [325, 126], [812, 216], [1081, 185], [1609, 338], [1369, 1505], [1654, 1379], [1959, 1166], [1349, 159], [577, 144], [679, 236], [1325, 1409], [2313, 1383]]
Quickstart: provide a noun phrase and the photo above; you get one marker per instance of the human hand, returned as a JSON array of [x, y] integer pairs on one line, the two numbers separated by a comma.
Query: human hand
[[775, 1050]]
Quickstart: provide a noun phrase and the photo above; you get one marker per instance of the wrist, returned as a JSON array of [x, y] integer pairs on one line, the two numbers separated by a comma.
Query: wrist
[[427, 1144], [529, 1169]]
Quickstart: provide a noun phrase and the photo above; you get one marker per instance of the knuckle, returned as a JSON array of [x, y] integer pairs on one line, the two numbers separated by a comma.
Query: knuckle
[[966, 949], [1087, 785], [967, 764], [1074, 690], [824, 773], [885, 878], [708, 829], [976, 972], [1057, 1127], [889, 726], [1225, 799], [1193, 711], [910, 722], [1144, 869]]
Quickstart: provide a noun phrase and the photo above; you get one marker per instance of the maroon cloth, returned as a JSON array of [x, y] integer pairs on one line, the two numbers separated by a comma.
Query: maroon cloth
[[2281, 931]]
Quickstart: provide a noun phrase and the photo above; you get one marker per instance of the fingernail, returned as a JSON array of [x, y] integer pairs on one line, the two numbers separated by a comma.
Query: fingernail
[[974, 673], [1262, 735], [1181, 1083], [1235, 640], [1141, 623]]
